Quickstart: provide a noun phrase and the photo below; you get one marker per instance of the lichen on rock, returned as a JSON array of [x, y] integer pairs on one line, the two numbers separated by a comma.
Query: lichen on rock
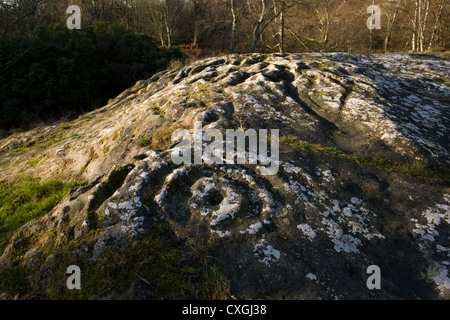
[[363, 181]]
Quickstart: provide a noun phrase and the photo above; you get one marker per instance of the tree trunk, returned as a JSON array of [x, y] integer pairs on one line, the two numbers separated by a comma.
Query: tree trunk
[[327, 28], [423, 25], [233, 27], [169, 35], [415, 27], [262, 23], [438, 17], [282, 33], [257, 27], [390, 24], [167, 25], [196, 23]]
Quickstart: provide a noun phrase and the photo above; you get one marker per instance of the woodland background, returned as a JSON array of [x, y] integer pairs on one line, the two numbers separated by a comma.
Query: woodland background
[[48, 72], [253, 25]]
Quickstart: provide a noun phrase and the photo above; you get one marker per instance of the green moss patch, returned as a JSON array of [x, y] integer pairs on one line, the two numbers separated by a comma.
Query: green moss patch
[[416, 169], [25, 200], [65, 126], [215, 285], [148, 260]]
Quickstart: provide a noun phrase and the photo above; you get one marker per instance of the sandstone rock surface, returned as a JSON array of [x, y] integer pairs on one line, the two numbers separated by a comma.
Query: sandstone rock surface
[[337, 205]]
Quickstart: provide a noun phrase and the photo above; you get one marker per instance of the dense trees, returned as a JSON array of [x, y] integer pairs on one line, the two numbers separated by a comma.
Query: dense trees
[[255, 25], [37, 69], [60, 72]]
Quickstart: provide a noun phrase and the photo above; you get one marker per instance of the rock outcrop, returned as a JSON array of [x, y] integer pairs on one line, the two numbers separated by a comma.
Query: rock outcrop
[[362, 179]]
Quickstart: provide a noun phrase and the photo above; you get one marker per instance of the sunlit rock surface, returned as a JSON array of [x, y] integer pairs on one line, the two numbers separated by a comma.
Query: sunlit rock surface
[[311, 230]]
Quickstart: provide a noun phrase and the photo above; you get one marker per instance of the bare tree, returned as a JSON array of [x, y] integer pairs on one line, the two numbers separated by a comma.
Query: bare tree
[[316, 25], [16, 18], [233, 25], [264, 14], [280, 22], [421, 10], [391, 18], [14, 15], [438, 18]]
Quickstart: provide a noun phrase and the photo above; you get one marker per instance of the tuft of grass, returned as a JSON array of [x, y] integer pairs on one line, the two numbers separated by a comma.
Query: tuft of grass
[[201, 254], [34, 162], [176, 64], [325, 64], [203, 88], [419, 170], [154, 263], [47, 143], [20, 149], [65, 126], [157, 110], [51, 142], [310, 76], [416, 170], [160, 138], [25, 200], [163, 136], [331, 150], [304, 145], [115, 135], [88, 118], [215, 285], [142, 143]]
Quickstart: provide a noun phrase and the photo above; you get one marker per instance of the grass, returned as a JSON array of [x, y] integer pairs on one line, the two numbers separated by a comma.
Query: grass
[[25, 200], [149, 260], [325, 64], [89, 118], [160, 138], [304, 145], [51, 142], [203, 88], [65, 126], [312, 77], [142, 143], [46, 143], [115, 135], [415, 169], [157, 110], [20, 149], [152, 261], [215, 285]]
